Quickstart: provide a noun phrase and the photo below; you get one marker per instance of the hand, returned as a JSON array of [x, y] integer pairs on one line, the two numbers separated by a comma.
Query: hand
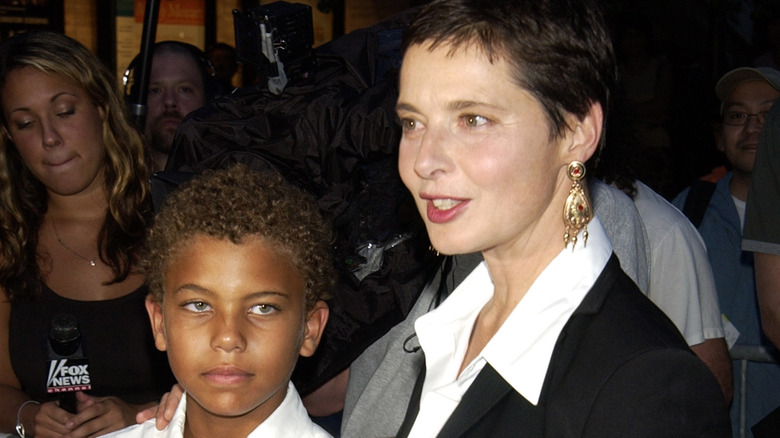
[[99, 415], [50, 421], [163, 413]]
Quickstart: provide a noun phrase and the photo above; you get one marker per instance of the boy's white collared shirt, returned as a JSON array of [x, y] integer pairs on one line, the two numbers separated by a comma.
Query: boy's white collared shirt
[[521, 349], [289, 420]]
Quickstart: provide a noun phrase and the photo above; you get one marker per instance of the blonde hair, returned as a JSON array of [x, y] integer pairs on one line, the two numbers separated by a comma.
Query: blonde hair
[[23, 199]]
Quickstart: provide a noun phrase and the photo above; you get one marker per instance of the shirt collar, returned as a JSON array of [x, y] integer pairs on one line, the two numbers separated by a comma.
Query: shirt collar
[[289, 420], [532, 328], [175, 428]]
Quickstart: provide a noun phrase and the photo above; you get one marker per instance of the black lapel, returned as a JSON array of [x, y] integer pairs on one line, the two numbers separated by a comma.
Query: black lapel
[[575, 328], [558, 402], [489, 388], [484, 393]]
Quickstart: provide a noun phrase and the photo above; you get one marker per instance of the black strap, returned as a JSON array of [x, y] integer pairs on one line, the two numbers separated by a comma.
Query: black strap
[[414, 406], [697, 201]]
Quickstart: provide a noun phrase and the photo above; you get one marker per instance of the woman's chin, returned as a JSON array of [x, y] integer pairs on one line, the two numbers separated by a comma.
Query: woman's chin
[[450, 247]]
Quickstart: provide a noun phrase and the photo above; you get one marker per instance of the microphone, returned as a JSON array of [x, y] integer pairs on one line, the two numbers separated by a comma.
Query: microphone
[[68, 366]]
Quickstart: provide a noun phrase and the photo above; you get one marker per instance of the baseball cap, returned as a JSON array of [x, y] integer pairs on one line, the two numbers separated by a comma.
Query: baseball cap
[[730, 80]]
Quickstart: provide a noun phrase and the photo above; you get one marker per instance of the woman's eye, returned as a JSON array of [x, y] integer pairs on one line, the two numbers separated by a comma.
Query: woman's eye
[[408, 124], [263, 309], [66, 113], [23, 125], [197, 306]]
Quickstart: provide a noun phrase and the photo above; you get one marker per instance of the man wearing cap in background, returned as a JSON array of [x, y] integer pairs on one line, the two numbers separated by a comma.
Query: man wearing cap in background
[[746, 96]]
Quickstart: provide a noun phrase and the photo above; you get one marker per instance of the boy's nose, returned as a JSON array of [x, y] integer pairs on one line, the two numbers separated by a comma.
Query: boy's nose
[[228, 336]]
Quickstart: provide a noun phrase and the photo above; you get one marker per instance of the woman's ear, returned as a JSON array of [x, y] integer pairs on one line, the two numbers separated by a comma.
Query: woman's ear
[[154, 308], [315, 325], [586, 134]]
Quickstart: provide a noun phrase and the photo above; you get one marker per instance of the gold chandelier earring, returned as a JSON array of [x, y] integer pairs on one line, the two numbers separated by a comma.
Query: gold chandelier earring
[[577, 211]]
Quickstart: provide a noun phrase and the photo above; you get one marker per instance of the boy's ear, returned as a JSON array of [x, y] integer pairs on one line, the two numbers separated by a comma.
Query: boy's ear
[[154, 308], [315, 325]]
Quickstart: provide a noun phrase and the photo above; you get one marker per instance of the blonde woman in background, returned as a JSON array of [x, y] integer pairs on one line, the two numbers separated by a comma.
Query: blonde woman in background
[[74, 206]]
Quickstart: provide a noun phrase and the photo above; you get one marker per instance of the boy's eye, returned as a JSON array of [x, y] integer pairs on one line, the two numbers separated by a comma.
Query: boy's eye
[[197, 306], [262, 309], [473, 120]]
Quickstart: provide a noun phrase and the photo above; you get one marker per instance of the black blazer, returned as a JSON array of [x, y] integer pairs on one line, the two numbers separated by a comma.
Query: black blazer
[[619, 368]]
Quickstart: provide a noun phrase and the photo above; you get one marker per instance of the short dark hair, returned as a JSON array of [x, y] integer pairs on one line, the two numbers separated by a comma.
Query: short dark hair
[[225, 47], [560, 50], [211, 87], [236, 203]]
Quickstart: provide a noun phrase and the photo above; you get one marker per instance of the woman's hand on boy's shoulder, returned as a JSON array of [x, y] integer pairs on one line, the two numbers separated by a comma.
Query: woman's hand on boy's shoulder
[[162, 413]]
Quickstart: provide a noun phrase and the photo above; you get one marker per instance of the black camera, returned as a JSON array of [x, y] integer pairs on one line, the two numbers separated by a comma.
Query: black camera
[[277, 40]]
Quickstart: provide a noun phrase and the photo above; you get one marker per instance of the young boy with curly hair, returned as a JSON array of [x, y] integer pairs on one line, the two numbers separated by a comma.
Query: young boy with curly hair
[[238, 266]]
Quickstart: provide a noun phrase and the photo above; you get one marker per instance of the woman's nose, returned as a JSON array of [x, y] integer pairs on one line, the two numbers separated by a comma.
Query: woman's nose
[[432, 158], [50, 135]]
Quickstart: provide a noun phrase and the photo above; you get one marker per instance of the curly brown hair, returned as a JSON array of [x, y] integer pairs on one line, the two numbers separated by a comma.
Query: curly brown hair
[[236, 203]]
